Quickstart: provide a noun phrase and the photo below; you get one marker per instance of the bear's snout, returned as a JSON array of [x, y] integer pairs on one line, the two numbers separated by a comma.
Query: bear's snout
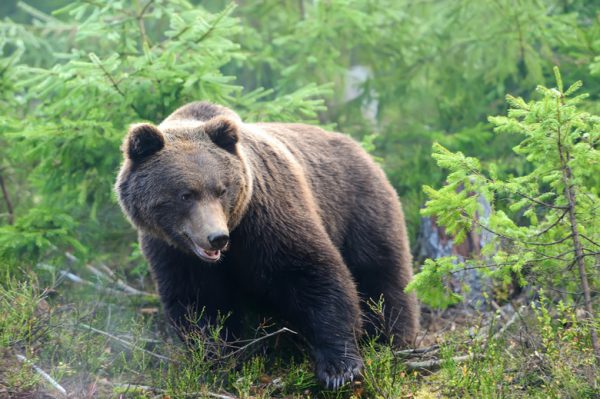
[[218, 240]]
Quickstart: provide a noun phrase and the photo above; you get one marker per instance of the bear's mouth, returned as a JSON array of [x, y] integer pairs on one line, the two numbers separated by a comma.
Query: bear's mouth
[[207, 255]]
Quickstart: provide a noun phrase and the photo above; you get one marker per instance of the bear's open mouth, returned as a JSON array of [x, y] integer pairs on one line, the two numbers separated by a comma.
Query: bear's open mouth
[[207, 255]]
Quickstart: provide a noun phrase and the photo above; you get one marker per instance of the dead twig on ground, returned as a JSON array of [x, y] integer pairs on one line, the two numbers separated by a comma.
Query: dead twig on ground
[[124, 288], [435, 364], [161, 392], [76, 279], [127, 343], [255, 341], [43, 374], [417, 351], [114, 279], [509, 323], [109, 276]]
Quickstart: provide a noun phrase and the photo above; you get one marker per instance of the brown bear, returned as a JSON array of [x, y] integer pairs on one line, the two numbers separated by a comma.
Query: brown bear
[[290, 216]]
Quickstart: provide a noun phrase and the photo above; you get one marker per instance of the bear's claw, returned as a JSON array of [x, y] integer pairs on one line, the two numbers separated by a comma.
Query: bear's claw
[[335, 373]]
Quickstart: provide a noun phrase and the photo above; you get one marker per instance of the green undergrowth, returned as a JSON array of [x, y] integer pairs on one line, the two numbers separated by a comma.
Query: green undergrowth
[[97, 343]]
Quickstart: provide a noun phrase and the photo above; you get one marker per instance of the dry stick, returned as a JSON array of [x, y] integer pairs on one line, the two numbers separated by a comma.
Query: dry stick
[[501, 331], [567, 175], [76, 279], [417, 351], [436, 363], [127, 343], [254, 341], [148, 388], [499, 309], [110, 276], [9, 205], [509, 323], [120, 283], [44, 375]]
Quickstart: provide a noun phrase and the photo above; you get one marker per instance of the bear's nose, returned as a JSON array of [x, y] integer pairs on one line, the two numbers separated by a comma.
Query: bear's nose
[[218, 240]]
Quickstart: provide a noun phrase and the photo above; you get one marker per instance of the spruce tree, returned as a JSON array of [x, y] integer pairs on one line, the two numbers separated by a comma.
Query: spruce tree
[[544, 222]]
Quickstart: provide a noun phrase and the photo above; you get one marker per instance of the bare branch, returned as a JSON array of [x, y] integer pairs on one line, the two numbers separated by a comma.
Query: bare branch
[[540, 202], [435, 364], [76, 279], [509, 323], [542, 244], [109, 276], [43, 374], [560, 218], [147, 388], [589, 239], [120, 283], [255, 341], [127, 343], [417, 351]]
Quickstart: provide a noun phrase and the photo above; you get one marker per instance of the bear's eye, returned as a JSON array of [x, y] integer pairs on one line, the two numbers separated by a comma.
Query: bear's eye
[[221, 191], [186, 196]]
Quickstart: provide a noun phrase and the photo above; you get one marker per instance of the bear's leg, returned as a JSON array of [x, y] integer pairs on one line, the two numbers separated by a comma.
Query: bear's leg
[[315, 293], [195, 296], [381, 266], [400, 311]]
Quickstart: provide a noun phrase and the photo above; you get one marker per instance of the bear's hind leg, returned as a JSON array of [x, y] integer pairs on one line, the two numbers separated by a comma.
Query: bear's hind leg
[[382, 268], [400, 315]]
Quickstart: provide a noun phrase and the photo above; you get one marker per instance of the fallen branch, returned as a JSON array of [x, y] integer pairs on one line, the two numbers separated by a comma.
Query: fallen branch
[[76, 279], [435, 363], [486, 331], [146, 388], [120, 283], [254, 341], [44, 375], [417, 351], [499, 309], [509, 323], [109, 276], [79, 280], [127, 343]]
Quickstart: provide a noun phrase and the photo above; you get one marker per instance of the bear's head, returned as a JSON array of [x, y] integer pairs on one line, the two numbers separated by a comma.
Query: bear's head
[[186, 182]]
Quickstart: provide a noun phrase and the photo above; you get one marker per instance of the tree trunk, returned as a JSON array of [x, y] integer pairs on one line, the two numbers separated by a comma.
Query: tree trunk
[[9, 206]]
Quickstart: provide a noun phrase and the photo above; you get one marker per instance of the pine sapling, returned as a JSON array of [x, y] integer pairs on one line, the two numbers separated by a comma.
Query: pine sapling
[[543, 222]]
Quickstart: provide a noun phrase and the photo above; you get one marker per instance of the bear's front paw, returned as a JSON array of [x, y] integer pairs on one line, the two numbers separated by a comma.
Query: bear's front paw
[[335, 371]]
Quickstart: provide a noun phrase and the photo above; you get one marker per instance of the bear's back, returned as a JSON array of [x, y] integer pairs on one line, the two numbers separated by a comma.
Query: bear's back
[[343, 178], [201, 111]]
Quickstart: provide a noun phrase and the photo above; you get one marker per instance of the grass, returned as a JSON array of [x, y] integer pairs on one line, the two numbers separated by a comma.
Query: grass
[[95, 343]]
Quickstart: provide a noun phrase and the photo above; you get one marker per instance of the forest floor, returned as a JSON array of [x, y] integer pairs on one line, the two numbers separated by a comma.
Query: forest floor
[[93, 335]]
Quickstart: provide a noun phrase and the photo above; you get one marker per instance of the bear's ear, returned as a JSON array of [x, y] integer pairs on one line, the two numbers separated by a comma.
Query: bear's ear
[[223, 132], [142, 141]]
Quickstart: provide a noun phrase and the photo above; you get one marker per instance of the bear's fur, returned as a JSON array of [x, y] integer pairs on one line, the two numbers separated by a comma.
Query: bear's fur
[[300, 220]]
